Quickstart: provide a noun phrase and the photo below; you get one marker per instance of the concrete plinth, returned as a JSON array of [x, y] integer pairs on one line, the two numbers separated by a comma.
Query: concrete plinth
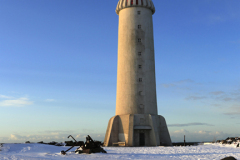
[[137, 130]]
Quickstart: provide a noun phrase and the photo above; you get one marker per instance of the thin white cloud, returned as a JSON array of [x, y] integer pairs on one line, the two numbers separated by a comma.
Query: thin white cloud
[[235, 92], [34, 138], [227, 99], [50, 100], [181, 131], [20, 102], [195, 97], [234, 110], [199, 136], [216, 93], [202, 132], [173, 84], [190, 124], [78, 136], [48, 137], [14, 137], [4, 97], [55, 133], [217, 105]]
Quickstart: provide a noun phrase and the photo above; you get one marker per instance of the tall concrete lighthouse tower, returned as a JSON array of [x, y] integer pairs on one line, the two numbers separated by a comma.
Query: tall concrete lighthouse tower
[[136, 122]]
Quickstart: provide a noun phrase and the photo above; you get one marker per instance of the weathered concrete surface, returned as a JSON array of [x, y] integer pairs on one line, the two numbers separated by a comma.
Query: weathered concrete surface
[[136, 122], [131, 94], [127, 128]]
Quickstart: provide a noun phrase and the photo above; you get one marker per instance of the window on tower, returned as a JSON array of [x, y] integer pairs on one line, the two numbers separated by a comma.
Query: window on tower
[[139, 53], [141, 93], [140, 80], [131, 2], [136, 2], [140, 66], [139, 12], [139, 40], [139, 26]]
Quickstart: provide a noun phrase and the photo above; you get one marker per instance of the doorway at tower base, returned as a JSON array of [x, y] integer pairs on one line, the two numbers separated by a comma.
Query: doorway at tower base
[[137, 130]]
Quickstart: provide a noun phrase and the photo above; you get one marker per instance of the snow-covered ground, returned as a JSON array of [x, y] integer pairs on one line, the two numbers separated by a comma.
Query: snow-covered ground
[[44, 152]]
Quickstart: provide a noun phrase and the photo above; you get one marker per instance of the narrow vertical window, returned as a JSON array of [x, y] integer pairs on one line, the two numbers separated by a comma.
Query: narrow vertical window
[[139, 12], [140, 66], [131, 2], [139, 40], [139, 53], [136, 2], [139, 26], [141, 93], [142, 2], [140, 80]]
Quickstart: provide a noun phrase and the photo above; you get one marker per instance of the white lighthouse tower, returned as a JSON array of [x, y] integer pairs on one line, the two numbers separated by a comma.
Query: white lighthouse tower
[[136, 122]]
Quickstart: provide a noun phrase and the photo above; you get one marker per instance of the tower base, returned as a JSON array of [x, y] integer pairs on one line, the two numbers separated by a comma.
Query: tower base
[[137, 130]]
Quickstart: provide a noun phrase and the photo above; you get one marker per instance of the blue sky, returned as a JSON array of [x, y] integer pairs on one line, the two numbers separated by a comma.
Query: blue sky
[[58, 68]]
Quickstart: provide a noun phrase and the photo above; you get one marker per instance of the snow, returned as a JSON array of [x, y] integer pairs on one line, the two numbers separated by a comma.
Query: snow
[[36, 151]]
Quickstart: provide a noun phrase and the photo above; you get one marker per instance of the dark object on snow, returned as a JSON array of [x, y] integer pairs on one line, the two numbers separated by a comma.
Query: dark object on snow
[[40, 142], [186, 143], [90, 146], [238, 145], [229, 158], [71, 143], [52, 143], [59, 144], [27, 142], [65, 152]]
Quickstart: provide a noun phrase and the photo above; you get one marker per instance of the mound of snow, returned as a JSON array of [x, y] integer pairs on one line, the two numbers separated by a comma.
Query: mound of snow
[[42, 151]]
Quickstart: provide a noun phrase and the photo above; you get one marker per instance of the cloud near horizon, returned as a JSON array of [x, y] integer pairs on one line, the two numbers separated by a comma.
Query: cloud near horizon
[[226, 98], [20, 102], [189, 124], [52, 136], [234, 110], [199, 136]]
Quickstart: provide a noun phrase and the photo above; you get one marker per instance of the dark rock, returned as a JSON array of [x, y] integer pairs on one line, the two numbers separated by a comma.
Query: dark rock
[[52, 143], [229, 158]]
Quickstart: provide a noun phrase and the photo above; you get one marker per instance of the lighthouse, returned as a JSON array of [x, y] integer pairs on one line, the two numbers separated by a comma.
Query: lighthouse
[[136, 122]]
